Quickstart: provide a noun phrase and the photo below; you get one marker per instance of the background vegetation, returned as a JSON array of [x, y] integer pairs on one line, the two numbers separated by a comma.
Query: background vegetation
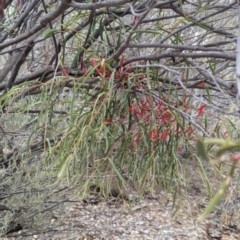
[[114, 91]]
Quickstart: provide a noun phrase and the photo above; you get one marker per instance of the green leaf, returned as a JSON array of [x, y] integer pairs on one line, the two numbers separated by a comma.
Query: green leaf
[[223, 150], [215, 200], [49, 32], [201, 150]]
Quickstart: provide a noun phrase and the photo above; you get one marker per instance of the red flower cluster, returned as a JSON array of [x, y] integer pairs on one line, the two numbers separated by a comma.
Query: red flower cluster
[[165, 122]]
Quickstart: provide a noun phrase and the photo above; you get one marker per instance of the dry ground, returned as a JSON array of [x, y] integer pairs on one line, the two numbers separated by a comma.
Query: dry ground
[[152, 217]]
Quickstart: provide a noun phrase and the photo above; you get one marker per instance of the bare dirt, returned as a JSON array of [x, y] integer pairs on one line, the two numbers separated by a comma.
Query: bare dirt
[[155, 216]]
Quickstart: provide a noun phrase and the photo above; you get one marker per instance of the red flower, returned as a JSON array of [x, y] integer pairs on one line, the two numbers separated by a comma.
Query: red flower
[[164, 135], [135, 141], [108, 75], [153, 135], [165, 116], [178, 132], [148, 118], [94, 62], [134, 20], [160, 106], [225, 134], [83, 67], [236, 157], [185, 98], [131, 108], [100, 70], [201, 84], [64, 71], [144, 105], [200, 110], [108, 121], [189, 130], [122, 59], [138, 113]]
